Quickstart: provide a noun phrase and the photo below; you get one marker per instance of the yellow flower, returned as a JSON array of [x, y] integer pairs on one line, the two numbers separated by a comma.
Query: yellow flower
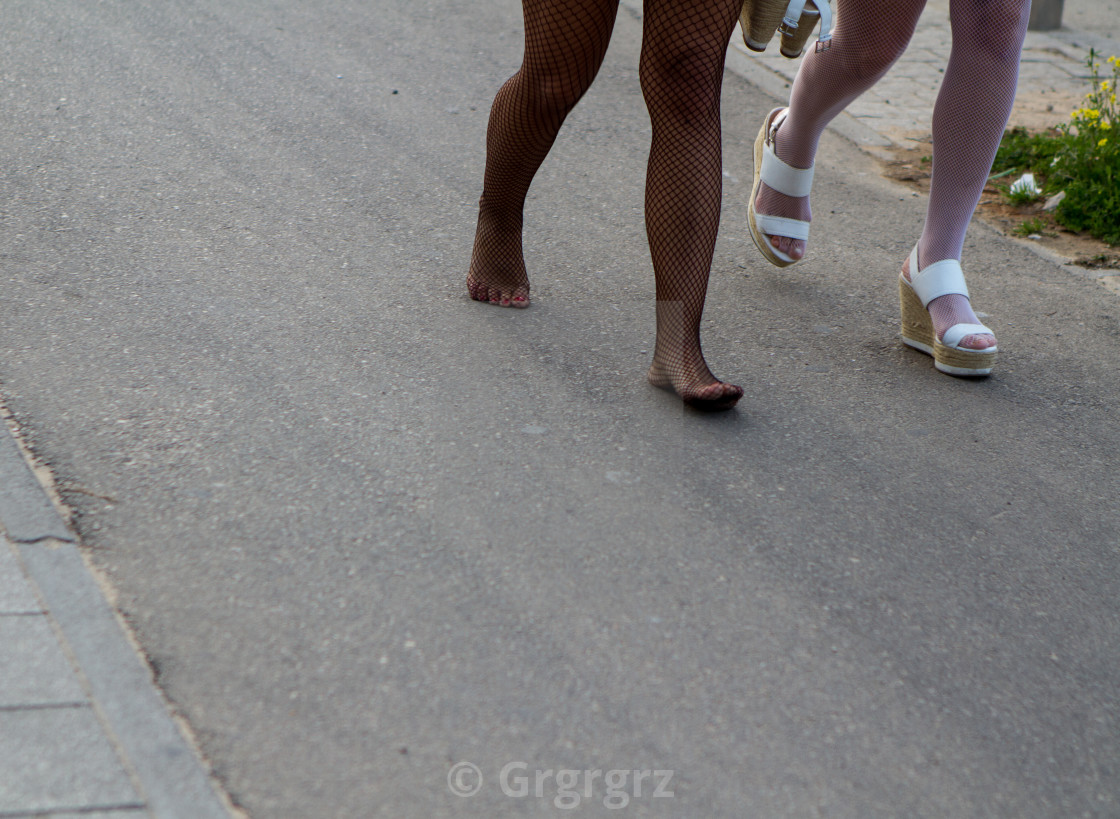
[[1104, 85], [1105, 126], [1114, 60], [1102, 143], [1093, 113]]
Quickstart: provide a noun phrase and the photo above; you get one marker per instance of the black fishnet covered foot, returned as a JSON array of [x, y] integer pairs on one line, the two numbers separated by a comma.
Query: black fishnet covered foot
[[497, 274], [714, 397], [689, 377]]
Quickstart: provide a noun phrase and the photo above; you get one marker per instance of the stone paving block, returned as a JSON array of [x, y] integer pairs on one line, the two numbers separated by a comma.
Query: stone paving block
[[34, 671], [175, 783], [58, 759], [15, 592], [924, 56], [1052, 73], [26, 512], [137, 813]]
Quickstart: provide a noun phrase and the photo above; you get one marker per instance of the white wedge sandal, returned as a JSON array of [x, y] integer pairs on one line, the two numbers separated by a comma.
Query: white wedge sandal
[[784, 179], [940, 279], [794, 21]]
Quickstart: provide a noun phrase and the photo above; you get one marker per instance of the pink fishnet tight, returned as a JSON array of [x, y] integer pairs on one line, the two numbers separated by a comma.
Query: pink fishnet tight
[[972, 109], [683, 48]]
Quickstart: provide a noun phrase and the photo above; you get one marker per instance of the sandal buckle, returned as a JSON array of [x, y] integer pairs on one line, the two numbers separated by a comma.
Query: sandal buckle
[[823, 44]]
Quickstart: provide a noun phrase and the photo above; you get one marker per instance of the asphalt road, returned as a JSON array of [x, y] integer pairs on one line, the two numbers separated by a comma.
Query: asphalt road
[[366, 528]]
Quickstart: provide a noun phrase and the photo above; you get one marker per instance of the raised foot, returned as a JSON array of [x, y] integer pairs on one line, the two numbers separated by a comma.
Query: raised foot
[[778, 214], [713, 396], [502, 295]]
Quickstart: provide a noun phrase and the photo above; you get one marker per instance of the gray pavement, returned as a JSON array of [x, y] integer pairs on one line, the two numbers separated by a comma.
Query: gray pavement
[[355, 556]]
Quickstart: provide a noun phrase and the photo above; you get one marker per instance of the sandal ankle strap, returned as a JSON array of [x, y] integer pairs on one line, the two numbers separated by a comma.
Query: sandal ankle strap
[[778, 175], [939, 279], [821, 8]]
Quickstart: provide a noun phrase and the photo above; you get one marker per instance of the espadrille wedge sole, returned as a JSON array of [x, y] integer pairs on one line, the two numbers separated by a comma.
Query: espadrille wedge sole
[[793, 38], [917, 326], [794, 20], [759, 20]]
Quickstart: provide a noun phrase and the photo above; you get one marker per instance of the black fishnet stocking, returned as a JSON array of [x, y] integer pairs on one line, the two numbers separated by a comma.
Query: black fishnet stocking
[[968, 120], [683, 48], [565, 42]]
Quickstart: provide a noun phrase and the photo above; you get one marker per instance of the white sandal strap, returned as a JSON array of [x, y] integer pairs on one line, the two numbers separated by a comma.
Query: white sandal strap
[[796, 9], [825, 9], [939, 279], [778, 175], [782, 226], [793, 13], [954, 334]]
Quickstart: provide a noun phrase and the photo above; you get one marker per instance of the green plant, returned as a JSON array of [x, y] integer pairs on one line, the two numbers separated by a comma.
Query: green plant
[[1030, 227], [1080, 157], [1088, 169], [1026, 153]]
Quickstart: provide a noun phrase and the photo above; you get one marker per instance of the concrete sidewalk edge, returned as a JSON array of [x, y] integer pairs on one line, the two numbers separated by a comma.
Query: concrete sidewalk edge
[[26, 511], [173, 780]]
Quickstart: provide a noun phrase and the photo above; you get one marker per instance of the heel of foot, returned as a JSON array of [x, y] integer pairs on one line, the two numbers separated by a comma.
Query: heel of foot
[[659, 378]]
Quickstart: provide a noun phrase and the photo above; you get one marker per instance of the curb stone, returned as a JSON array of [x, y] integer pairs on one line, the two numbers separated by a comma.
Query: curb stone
[[132, 758]]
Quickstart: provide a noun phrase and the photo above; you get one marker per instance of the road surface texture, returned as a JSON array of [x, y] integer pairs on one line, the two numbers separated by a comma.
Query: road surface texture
[[366, 529]]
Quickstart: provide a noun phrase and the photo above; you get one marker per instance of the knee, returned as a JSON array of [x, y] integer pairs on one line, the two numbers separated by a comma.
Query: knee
[[682, 86], [874, 56], [994, 31], [551, 92]]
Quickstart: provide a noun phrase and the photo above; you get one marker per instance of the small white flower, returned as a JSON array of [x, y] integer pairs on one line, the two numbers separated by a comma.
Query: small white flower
[[1026, 186]]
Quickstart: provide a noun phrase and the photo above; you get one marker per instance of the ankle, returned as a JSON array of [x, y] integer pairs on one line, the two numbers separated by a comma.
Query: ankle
[[493, 217], [790, 149]]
